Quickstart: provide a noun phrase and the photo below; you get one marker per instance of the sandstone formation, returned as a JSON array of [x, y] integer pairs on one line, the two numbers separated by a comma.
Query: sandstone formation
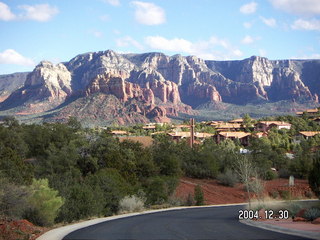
[[153, 86]]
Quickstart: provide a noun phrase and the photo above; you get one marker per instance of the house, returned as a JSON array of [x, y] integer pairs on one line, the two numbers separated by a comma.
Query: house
[[149, 127], [214, 123], [242, 136], [201, 136], [308, 134], [181, 126], [312, 111], [264, 126], [177, 136], [317, 120], [119, 132], [237, 120], [260, 134], [228, 127]]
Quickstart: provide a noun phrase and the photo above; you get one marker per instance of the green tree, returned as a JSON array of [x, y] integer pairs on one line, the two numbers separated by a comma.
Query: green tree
[[198, 195], [13, 167], [82, 201], [13, 198], [44, 200], [58, 160], [156, 191], [74, 124], [247, 122], [112, 186], [314, 176], [166, 156]]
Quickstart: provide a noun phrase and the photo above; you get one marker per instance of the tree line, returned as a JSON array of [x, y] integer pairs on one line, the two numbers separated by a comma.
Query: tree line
[[61, 172]]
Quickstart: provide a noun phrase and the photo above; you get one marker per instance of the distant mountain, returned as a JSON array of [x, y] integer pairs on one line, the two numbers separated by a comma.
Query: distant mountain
[[11, 82], [127, 88]]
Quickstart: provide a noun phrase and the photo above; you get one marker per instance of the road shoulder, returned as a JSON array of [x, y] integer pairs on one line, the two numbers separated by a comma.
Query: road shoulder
[[289, 228]]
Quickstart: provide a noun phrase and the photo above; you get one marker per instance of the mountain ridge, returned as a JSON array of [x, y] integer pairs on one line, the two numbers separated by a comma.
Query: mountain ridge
[[158, 86]]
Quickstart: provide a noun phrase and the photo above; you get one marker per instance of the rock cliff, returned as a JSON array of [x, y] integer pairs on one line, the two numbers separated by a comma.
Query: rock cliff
[[155, 86]]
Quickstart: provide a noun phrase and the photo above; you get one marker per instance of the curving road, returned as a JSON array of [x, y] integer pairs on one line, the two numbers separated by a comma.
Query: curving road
[[197, 223]]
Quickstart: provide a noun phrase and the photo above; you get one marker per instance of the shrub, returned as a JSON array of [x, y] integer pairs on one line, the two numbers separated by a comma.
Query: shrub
[[175, 201], [294, 208], [255, 186], [270, 175], [82, 202], [314, 179], [35, 216], [198, 196], [44, 202], [131, 204], [228, 178], [13, 199], [308, 194], [274, 194], [159, 188], [190, 200], [285, 194], [311, 214], [284, 173]]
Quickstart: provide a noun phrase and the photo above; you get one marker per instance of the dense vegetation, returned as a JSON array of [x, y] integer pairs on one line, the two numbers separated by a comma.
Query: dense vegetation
[[62, 172]]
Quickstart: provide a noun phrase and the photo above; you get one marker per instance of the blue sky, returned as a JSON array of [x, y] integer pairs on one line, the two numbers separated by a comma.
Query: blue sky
[[57, 30]]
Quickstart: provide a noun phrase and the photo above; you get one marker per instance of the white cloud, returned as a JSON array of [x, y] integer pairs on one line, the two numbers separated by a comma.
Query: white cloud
[[5, 12], [116, 32], [40, 12], [10, 56], [113, 2], [311, 56], [104, 18], [262, 52], [310, 25], [247, 40], [249, 8], [271, 22], [213, 48], [237, 53], [304, 7], [175, 44], [97, 34], [148, 13], [247, 24], [128, 41]]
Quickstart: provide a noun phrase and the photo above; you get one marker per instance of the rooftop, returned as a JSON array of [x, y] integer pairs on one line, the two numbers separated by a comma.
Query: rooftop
[[309, 133], [234, 134], [278, 123]]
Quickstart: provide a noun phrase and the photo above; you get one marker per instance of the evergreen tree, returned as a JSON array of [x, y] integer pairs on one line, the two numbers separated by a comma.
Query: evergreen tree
[[198, 195], [314, 177]]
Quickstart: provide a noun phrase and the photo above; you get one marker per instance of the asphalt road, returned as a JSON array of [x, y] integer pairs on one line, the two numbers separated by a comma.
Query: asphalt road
[[198, 223]]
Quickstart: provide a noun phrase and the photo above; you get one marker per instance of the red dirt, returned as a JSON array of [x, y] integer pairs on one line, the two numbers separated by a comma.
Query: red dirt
[[215, 193], [19, 229]]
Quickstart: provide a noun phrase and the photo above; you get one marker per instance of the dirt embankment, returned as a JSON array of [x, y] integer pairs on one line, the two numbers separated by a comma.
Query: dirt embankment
[[19, 229], [215, 193]]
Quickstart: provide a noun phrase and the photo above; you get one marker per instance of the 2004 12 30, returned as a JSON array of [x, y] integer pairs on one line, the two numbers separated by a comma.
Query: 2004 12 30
[[268, 214]]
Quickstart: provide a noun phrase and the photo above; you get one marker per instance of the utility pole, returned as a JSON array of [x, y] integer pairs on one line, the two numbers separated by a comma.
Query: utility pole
[[191, 132]]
